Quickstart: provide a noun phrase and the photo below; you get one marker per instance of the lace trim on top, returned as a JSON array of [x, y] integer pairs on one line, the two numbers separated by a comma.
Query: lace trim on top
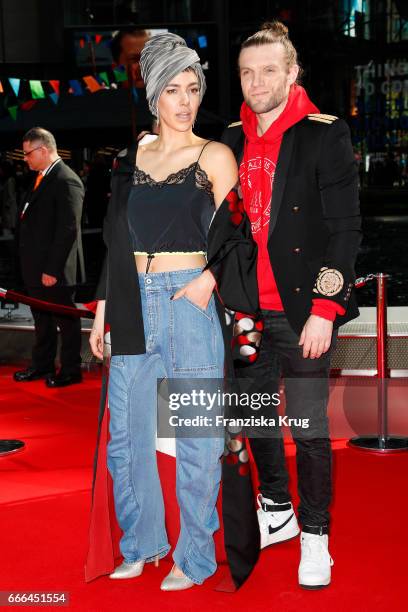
[[140, 177], [170, 253]]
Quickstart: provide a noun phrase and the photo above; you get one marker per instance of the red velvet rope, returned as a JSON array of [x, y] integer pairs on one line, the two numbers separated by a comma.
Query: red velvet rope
[[13, 296]]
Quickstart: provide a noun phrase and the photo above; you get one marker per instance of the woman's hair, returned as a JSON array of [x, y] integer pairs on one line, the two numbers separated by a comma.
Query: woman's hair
[[272, 32], [163, 57]]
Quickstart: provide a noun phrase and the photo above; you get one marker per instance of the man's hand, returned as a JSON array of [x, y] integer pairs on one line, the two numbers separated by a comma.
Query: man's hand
[[199, 290], [48, 280], [316, 337], [96, 336]]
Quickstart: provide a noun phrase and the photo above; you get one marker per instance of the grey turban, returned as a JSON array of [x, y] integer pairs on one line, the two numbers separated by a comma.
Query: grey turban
[[163, 57]]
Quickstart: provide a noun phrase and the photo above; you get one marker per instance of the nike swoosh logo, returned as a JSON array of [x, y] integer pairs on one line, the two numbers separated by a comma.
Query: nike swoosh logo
[[275, 529]]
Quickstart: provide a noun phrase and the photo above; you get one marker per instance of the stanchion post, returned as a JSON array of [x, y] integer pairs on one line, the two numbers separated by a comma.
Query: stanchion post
[[382, 372], [383, 442]]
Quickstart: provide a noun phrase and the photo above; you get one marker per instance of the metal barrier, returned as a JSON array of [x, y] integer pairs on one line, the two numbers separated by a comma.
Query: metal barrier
[[8, 447], [382, 442]]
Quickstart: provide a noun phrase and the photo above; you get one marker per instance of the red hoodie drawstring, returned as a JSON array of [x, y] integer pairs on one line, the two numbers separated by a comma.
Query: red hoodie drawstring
[[263, 152], [263, 203]]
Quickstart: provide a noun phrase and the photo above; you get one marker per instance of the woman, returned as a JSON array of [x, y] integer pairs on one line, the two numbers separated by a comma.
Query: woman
[[164, 320]]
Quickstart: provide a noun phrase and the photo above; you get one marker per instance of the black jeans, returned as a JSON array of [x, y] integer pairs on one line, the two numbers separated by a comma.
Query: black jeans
[[306, 392], [45, 323]]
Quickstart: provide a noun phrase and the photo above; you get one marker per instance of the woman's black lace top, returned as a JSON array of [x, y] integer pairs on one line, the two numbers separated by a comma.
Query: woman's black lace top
[[173, 215]]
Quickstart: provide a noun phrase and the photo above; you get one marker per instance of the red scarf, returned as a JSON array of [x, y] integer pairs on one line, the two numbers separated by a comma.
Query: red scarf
[[257, 172]]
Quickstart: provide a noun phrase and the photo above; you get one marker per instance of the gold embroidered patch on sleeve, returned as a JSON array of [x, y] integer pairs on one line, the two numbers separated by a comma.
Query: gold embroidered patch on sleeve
[[329, 282]]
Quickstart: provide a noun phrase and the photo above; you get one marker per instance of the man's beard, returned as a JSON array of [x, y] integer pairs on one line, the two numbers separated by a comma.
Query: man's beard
[[265, 106]]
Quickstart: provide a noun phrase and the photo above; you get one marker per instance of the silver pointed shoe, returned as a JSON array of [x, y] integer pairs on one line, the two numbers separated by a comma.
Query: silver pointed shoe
[[128, 570], [176, 583]]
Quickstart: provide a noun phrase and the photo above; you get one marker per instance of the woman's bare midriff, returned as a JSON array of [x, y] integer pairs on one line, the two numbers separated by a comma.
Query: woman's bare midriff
[[169, 262]]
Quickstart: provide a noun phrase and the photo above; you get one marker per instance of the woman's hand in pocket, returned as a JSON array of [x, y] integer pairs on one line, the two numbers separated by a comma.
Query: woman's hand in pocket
[[199, 290]]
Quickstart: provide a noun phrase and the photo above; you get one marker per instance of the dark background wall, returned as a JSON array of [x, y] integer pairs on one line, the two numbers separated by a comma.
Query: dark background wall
[[355, 59], [36, 38]]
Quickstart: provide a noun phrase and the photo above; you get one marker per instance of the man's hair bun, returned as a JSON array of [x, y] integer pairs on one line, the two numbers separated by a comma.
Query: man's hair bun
[[273, 32], [275, 27]]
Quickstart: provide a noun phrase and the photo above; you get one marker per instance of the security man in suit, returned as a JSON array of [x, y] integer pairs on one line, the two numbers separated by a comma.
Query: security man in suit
[[49, 237], [299, 184]]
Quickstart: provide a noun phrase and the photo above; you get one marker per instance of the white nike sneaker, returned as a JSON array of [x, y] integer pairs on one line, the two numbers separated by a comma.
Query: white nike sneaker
[[277, 522], [316, 562]]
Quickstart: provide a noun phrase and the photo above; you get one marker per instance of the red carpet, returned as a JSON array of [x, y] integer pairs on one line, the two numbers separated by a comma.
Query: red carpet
[[44, 510]]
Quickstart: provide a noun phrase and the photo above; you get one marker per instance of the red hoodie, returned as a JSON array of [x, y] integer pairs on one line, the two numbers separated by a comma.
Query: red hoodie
[[257, 172]]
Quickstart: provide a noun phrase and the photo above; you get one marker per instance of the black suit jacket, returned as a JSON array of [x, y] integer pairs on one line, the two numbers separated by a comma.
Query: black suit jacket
[[49, 233], [315, 220]]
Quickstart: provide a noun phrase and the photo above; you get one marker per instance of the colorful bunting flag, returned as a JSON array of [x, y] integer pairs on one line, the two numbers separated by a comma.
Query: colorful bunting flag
[[81, 43], [37, 90], [103, 76], [56, 86], [120, 74], [15, 84], [92, 83], [98, 38], [13, 112], [27, 106], [76, 87]]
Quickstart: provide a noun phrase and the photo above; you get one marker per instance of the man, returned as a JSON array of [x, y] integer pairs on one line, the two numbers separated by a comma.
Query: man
[[126, 48], [49, 244], [300, 189]]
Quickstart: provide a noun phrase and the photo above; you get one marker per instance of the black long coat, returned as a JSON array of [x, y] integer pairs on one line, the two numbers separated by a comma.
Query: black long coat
[[49, 234], [232, 258]]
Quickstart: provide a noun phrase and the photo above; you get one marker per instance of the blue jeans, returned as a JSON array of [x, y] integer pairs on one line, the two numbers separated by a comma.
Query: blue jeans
[[182, 341]]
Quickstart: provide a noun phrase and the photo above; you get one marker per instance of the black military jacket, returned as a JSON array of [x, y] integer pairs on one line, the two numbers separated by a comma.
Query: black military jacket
[[315, 224]]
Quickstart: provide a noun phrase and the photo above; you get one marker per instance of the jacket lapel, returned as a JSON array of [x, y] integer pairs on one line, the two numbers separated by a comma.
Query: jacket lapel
[[238, 147], [281, 174], [123, 169], [32, 196]]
